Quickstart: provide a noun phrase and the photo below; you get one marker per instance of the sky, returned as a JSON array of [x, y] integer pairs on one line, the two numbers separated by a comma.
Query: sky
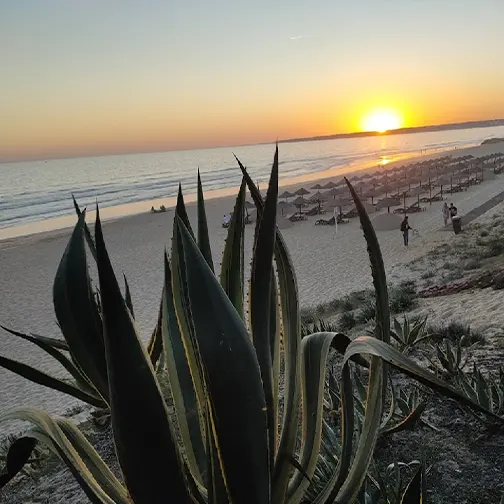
[[85, 78]]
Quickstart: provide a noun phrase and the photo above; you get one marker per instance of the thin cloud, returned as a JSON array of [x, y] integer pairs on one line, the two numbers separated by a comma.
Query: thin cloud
[[297, 37]]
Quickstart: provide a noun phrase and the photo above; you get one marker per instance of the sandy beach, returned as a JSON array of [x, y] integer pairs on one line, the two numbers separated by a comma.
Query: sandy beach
[[328, 264]]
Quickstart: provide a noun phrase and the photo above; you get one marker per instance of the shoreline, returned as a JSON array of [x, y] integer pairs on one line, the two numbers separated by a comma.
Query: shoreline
[[329, 263], [54, 227]]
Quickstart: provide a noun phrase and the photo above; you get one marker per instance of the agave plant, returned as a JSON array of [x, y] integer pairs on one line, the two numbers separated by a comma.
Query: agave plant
[[488, 392], [389, 485], [450, 356], [233, 442], [78, 313], [407, 335], [403, 413]]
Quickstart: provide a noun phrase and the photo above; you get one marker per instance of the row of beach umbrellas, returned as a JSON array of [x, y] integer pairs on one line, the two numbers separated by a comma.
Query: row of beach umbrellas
[[395, 184]]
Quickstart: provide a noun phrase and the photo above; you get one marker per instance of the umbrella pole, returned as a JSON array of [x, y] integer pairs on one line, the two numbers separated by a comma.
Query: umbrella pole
[[430, 192]]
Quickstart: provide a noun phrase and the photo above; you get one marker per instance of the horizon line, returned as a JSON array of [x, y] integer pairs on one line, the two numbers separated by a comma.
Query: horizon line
[[335, 136]]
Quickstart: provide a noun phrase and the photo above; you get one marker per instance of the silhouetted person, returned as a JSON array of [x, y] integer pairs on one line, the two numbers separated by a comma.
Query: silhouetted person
[[405, 227]]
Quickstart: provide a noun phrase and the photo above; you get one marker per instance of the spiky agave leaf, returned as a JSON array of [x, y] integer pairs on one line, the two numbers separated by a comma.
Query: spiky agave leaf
[[260, 299], [377, 372], [127, 296], [291, 325], [203, 238], [232, 268], [181, 211], [240, 425], [315, 351], [143, 434], [372, 346], [81, 381], [65, 440], [87, 232], [54, 342], [77, 313], [181, 385]]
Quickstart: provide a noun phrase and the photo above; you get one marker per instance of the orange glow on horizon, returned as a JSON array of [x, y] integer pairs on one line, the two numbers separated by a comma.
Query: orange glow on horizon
[[381, 120]]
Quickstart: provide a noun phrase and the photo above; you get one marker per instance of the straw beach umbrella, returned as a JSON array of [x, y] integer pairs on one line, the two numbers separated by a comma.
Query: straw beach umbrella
[[284, 207], [330, 185], [301, 191], [332, 193], [339, 203], [443, 181], [317, 187], [300, 202], [372, 193], [387, 203], [317, 198], [286, 195]]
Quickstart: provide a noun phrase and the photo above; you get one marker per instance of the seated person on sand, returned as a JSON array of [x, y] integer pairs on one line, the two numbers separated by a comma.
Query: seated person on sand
[[162, 208], [226, 221]]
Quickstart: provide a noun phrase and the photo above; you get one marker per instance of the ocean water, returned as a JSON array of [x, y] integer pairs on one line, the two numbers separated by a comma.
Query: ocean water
[[39, 190]]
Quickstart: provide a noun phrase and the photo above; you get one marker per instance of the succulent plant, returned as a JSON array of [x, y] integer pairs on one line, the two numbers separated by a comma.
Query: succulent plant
[[231, 440], [450, 354], [407, 335], [487, 392]]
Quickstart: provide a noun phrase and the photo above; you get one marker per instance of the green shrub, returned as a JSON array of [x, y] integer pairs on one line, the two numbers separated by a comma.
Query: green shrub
[[347, 304], [455, 274], [472, 264], [449, 265], [319, 326], [366, 312], [430, 273], [307, 316], [484, 233], [494, 248], [403, 298], [456, 331], [347, 321]]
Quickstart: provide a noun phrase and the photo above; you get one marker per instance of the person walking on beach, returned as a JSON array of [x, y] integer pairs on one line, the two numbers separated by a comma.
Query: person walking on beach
[[446, 213], [405, 228]]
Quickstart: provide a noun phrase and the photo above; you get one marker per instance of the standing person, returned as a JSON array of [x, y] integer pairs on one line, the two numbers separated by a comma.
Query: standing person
[[453, 211], [405, 227], [446, 213]]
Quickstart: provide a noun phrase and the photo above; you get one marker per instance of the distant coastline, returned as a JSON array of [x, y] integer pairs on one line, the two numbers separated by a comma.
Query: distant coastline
[[402, 131]]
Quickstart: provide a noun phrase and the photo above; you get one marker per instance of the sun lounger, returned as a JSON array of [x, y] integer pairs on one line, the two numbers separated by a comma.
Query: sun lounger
[[326, 222], [297, 217], [313, 211], [432, 199], [415, 208], [351, 214], [455, 189]]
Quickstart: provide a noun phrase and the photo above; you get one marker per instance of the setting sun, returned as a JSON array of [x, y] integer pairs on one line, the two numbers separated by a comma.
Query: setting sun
[[381, 121]]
